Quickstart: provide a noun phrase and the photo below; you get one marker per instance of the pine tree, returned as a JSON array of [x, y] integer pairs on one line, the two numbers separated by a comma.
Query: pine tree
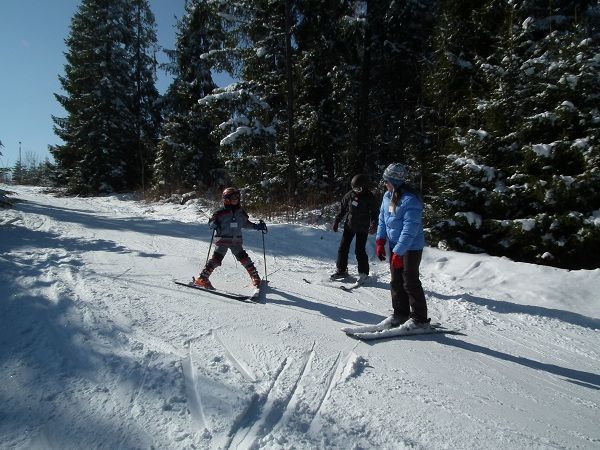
[[142, 46], [325, 69], [186, 155], [19, 173], [521, 181], [399, 45], [359, 83], [250, 118], [101, 129]]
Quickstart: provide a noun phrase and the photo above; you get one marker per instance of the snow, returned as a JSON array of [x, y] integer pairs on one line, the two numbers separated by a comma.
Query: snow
[[232, 137], [472, 165], [542, 150], [99, 349], [526, 224], [481, 134], [594, 218], [568, 105], [233, 93], [473, 219]]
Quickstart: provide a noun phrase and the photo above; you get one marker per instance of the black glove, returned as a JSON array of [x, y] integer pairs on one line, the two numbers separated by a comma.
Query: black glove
[[260, 226]]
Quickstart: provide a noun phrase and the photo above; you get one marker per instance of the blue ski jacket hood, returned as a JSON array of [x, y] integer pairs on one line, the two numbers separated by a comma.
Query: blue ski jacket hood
[[402, 227]]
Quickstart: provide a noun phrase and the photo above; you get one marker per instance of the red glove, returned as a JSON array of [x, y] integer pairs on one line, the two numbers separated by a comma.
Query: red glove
[[334, 227], [397, 261], [373, 228], [380, 249]]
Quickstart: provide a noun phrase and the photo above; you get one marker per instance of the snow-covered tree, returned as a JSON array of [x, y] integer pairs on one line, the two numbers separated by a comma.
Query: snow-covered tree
[[522, 178], [107, 96], [187, 156], [250, 117], [397, 49], [142, 47]]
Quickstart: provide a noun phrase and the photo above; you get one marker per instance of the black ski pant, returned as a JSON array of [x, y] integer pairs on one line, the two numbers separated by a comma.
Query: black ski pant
[[408, 298], [359, 249]]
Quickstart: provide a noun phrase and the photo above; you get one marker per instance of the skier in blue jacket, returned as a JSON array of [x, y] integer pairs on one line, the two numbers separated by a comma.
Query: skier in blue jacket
[[401, 226]]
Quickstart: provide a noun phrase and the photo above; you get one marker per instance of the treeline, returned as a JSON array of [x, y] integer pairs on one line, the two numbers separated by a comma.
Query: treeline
[[30, 172], [492, 104]]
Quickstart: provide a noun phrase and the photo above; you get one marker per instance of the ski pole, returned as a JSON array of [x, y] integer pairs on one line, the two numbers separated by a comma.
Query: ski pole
[[264, 252], [209, 247]]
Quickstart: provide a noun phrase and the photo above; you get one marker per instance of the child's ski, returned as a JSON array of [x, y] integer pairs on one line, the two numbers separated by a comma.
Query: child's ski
[[252, 298]]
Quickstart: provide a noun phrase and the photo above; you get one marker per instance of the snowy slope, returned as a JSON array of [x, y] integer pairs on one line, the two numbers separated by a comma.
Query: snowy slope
[[99, 349]]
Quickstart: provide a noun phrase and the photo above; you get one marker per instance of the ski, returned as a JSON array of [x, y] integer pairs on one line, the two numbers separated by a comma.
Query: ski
[[342, 283], [358, 283], [326, 281], [383, 325], [250, 298], [377, 331], [367, 328]]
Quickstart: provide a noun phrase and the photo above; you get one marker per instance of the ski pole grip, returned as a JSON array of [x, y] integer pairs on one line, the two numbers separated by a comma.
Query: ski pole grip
[[264, 229]]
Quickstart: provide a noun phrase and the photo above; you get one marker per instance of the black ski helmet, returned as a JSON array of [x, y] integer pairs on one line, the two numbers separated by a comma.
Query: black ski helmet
[[359, 182]]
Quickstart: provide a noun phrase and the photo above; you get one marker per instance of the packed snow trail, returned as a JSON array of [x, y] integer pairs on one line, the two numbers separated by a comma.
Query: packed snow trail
[[100, 349]]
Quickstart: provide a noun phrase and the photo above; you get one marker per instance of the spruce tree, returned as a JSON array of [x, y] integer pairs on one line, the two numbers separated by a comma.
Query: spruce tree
[[186, 155], [359, 83], [325, 68], [521, 180], [100, 131], [250, 118], [399, 44], [144, 105]]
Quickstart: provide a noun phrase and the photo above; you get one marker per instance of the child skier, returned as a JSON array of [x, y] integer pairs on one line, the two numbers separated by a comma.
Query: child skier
[[359, 212], [228, 222]]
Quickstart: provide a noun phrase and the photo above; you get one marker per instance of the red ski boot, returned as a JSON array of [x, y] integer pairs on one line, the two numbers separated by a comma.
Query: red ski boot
[[203, 283]]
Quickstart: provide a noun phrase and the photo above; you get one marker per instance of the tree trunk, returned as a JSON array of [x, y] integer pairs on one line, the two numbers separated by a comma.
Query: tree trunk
[[291, 144], [138, 101], [362, 116]]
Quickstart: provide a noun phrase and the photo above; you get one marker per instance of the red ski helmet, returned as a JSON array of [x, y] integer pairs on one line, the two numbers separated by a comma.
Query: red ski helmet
[[230, 195]]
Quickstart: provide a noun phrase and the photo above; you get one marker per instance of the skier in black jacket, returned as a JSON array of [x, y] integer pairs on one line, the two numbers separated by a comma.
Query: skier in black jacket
[[359, 211]]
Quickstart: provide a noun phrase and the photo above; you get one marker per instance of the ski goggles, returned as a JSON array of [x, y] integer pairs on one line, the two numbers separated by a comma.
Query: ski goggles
[[232, 196]]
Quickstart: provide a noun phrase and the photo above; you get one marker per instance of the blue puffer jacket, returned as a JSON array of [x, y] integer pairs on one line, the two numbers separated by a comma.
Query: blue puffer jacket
[[403, 229]]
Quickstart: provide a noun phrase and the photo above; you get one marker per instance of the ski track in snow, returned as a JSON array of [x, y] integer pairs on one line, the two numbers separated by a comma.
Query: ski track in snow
[[194, 399], [114, 356], [332, 378], [239, 364], [277, 400]]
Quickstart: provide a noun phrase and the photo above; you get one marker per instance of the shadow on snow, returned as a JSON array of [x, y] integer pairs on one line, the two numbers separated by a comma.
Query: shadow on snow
[[505, 307]]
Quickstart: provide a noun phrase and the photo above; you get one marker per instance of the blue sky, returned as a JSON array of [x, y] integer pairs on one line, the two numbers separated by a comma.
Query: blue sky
[[32, 34]]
